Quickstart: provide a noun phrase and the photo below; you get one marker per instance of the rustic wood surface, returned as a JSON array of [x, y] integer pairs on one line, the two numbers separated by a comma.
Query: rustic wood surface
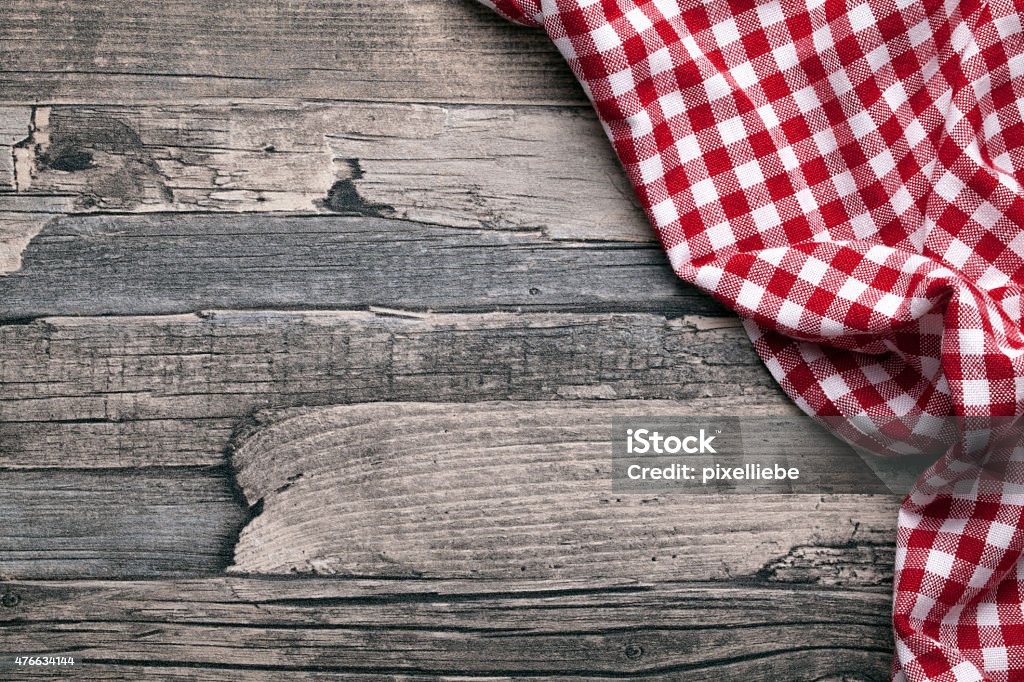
[[188, 50], [493, 167], [168, 390], [511, 489], [217, 221], [144, 522], [153, 264], [356, 629]]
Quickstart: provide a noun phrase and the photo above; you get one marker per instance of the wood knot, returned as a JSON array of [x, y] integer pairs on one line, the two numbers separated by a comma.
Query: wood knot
[[634, 651], [69, 161], [10, 600]]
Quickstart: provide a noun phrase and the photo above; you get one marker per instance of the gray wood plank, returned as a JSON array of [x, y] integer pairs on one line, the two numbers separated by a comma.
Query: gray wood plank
[[156, 264], [178, 50], [267, 629], [116, 523], [860, 667], [167, 390], [528, 168], [508, 490]]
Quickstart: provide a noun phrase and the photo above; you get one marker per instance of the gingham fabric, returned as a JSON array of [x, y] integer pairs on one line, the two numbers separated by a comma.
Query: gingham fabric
[[846, 175]]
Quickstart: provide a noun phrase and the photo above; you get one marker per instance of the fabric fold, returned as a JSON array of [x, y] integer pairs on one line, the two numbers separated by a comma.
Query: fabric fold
[[847, 175]]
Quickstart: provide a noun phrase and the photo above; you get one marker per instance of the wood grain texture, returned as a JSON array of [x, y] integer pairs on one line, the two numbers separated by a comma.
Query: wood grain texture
[[16, 231], [156, 264], [179, 50], [142, 391], [116, 523], [782, 667], [464, 166], [167, 390], [14, 129], [851, 564], [509, 490], [413, 152], [334, 503], [451, 629]]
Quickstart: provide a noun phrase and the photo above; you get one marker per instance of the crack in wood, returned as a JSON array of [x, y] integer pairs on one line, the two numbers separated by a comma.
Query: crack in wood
[[854, 563], [25, 130], [26, 151]]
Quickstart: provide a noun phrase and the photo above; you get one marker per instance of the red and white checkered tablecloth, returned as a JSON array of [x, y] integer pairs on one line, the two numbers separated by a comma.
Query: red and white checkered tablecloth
[[847, 175]]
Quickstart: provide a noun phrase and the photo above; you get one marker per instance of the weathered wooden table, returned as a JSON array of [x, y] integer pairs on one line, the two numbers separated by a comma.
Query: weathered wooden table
[[216, 220]]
